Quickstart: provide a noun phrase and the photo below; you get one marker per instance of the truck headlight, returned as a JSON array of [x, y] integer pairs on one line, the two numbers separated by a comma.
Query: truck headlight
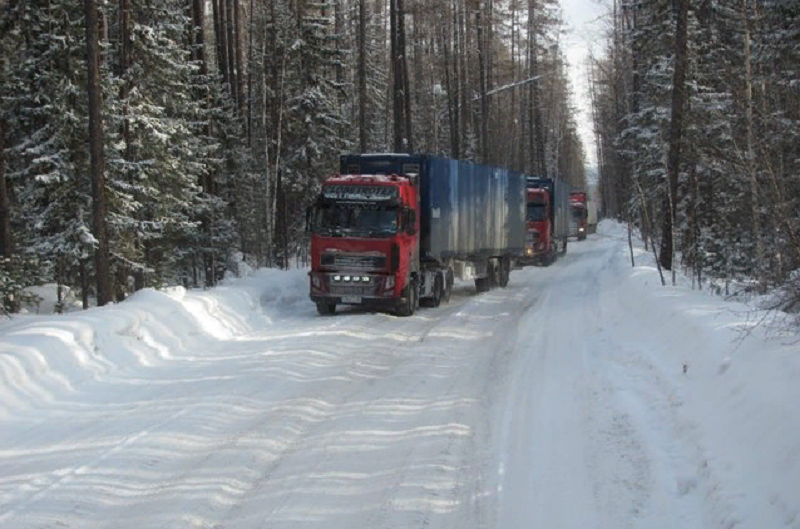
[[580, 229], [347, 278], [530, 251]]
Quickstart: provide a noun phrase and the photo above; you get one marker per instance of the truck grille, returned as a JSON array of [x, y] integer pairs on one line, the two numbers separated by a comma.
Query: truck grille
[[532, 237], [361, 262], [354, 290]]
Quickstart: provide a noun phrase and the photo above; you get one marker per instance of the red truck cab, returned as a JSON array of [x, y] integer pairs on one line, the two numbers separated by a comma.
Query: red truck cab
[[539, 246], [364, 229]]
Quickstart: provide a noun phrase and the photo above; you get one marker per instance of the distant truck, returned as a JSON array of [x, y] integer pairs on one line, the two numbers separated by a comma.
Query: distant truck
[[547, 220], [394, 230], [579, 215]]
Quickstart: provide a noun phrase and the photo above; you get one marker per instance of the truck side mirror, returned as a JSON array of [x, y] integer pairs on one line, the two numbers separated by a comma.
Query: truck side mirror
[[411, 221]]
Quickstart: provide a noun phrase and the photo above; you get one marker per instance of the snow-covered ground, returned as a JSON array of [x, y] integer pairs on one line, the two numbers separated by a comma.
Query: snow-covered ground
[[560, 401]]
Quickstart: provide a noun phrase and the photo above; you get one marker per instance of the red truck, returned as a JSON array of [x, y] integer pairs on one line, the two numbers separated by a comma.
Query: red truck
[[546, 222], [394, 230], [579, 214]]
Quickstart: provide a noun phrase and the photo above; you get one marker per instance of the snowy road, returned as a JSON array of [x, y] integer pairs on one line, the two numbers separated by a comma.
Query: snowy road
[[553, 403]]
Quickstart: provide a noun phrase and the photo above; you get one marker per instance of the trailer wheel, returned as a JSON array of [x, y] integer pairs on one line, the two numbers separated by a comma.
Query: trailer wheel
[[325, 308], [505, 272], [494, 275]]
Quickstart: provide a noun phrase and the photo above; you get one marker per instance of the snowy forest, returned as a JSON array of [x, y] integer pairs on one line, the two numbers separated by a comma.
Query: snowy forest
[[697, 121], [167, 142]]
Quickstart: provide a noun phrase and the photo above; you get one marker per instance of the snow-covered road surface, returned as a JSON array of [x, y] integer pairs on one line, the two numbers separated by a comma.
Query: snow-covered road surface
[[559, 402]]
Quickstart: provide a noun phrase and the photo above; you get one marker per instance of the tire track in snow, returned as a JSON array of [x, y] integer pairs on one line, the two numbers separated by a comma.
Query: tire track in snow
[[67, 475]]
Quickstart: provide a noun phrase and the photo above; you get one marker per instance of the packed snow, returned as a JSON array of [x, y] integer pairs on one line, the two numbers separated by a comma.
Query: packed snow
[[583, 395]]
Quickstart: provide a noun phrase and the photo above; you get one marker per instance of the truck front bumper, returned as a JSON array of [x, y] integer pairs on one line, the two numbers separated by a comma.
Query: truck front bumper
[[354, 288], [532, 257]]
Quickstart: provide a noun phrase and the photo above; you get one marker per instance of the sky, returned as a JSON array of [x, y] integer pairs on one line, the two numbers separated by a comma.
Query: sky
[[584, 25]]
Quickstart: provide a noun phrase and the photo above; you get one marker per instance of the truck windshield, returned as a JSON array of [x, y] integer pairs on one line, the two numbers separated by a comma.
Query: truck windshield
[[535, 212], [363, 220]]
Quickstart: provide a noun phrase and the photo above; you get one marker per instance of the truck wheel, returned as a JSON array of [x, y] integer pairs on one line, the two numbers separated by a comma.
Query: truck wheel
[[448, 286], [438, 290], [412, 301], [326, 308], [482, 284]]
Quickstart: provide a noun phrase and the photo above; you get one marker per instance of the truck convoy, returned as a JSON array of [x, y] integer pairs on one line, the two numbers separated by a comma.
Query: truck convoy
[[579, 214], [547, 220], [395, 230]]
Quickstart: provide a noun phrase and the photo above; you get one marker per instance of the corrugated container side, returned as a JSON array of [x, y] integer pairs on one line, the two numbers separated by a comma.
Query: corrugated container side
[[471, 210], [562, 208]]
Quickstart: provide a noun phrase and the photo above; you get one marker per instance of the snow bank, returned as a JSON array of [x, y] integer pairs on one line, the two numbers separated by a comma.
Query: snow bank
[[46, 358], [736, 385]]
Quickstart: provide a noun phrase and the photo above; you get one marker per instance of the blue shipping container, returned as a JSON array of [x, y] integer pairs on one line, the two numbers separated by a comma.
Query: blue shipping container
[[468, 211]]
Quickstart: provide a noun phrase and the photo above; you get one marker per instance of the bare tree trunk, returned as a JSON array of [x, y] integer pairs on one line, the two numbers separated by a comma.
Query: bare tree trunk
[[198, 20], [676, 131], [458, 131], [5, 202], [401, 34], [750, 167], [482, 51], [630, 243], [338, 29], [452, 98], [537, 141], [237, 10], [362, 76], [251, 60], [518, 119], [397, 77], [231, 41], [84, 284], [220, 34], [96, 149]]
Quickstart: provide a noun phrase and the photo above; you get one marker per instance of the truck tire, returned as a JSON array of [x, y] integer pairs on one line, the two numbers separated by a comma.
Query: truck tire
[[412, 300], [482, 284], [438, 290], [326, 308], [448, 286], [493, 275]]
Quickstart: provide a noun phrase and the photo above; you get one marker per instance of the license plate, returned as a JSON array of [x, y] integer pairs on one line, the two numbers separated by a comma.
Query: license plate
[[351, 299]]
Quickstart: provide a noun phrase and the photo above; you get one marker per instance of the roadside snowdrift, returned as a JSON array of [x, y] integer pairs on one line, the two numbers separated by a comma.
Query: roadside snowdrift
[[43, 358], [737, 400]]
